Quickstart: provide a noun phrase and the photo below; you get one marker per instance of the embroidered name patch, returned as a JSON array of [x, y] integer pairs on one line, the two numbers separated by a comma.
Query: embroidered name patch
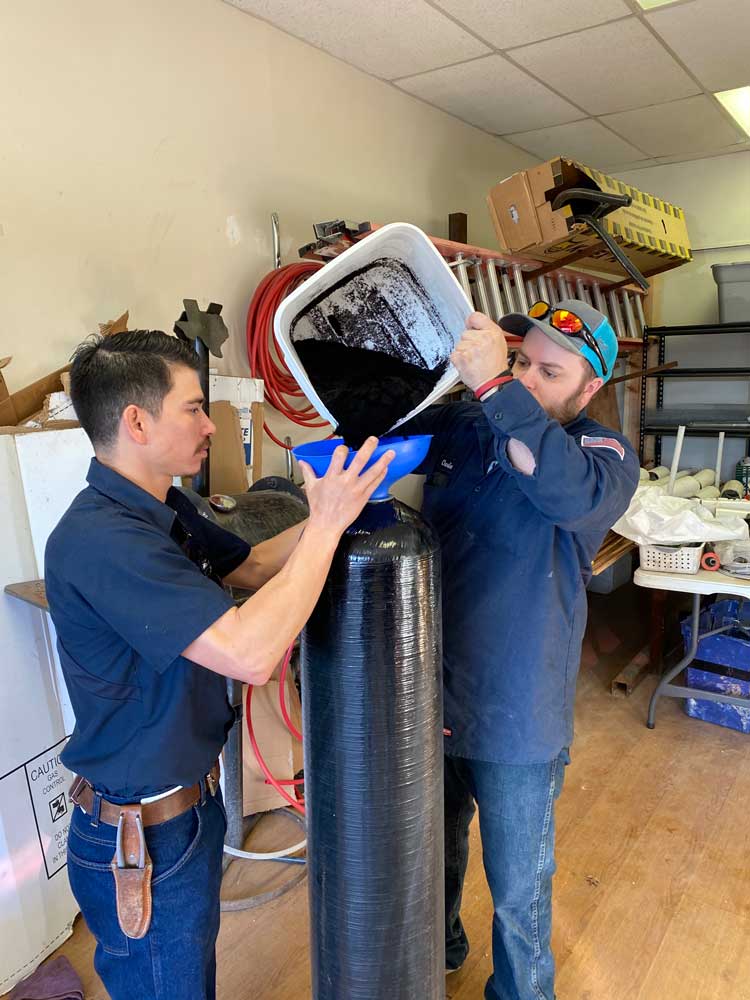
[[601, 442]]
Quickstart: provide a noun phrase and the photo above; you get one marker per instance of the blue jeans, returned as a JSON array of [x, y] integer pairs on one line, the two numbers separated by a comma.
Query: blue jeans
[[516, 821], [176, 960]]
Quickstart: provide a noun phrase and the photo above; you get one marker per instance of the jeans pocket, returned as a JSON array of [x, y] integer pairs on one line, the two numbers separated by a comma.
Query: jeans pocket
[[93, 886], [219, 800], [172, 844]]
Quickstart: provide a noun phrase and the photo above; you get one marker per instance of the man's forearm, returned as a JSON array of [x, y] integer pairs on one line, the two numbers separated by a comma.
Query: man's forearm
[[266, 559], [272, 618], [247, 642]]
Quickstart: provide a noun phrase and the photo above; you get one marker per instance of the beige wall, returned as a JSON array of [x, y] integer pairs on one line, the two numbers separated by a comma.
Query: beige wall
[[715, 194], [145, 144]]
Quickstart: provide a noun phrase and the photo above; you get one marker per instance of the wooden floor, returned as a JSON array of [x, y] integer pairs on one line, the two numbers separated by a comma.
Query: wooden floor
[[652, 894]]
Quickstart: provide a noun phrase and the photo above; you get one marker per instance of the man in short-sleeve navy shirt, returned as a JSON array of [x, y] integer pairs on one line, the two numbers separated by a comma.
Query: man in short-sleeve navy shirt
[[147, 637]]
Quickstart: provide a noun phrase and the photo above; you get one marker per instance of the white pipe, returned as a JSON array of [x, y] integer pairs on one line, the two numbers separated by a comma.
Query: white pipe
[[599, 301], [688, 486], [629, 316], [461, 270], [512, 303], [615, 317], [638, 299], [270, 856], [719, 456], [734, 484], [676, 459], [706, 477], [661, 474], [481, 289], [494, 290], [522, 302]]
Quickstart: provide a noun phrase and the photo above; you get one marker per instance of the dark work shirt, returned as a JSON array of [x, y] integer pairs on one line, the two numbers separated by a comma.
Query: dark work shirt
[[131, 582], [516, 557]]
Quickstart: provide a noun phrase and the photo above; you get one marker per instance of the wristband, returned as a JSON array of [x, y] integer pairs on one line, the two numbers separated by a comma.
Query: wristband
[[501, 379]]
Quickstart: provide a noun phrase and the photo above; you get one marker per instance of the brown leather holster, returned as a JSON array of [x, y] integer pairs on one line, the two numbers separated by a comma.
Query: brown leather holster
[[132, 868]]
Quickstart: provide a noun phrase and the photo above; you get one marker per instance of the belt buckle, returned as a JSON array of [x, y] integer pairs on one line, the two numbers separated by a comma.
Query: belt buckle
[[212, 783]]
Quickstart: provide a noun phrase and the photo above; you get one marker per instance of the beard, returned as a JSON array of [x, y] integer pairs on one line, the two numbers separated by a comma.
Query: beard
[[567, 410]]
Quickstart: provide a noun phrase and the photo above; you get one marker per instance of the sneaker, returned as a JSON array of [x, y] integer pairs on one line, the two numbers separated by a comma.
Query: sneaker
[[449, 971]]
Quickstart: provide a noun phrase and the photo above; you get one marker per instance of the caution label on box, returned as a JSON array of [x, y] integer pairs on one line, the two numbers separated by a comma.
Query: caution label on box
[[48, 781]]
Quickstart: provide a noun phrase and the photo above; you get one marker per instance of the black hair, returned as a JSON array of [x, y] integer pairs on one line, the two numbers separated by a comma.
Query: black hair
[[110, 373]]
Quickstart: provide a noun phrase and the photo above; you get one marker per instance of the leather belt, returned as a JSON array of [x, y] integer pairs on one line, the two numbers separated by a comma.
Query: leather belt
[[83, 794]]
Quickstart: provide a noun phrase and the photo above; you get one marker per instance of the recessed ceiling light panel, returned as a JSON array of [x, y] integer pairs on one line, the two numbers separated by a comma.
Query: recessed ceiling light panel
[[737, 103]]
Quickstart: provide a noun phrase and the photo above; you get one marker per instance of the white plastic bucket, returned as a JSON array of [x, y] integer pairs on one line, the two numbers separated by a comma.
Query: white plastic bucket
[[435, 306]]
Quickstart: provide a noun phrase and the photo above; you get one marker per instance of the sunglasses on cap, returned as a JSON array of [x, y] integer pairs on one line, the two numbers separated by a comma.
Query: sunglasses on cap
[[569, 324]]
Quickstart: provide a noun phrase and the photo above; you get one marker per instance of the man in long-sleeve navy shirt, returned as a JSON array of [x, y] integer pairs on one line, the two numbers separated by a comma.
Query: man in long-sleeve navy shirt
[[521, 487]]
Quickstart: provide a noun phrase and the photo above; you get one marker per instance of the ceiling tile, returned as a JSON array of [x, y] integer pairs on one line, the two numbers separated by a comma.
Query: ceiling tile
[[741, 147], [712, 37], [610, 68], [586, 140], [388, 38], [686, 126], [505, 23], [492, 94], [617, 168]]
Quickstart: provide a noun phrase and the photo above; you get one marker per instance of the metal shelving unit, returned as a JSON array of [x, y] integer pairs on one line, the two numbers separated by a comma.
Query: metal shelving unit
[[699, 426]]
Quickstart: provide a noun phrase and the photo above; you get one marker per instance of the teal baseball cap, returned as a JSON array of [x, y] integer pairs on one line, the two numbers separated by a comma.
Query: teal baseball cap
[[596, 341]]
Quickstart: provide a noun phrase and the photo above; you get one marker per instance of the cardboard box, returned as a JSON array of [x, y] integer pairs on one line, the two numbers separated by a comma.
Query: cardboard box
[[246, 394], [652, 232], [280, 750], [4, 362], [228, 471], [17, 407], [21, 406]]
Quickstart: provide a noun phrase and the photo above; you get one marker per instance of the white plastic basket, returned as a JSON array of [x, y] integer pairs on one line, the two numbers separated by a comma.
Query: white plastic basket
[[671, 558]]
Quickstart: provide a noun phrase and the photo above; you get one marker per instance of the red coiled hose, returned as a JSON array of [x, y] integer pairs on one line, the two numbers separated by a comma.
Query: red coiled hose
[[281, 388]]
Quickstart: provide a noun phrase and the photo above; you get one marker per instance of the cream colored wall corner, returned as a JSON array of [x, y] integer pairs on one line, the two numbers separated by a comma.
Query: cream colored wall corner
[[145, 145], [715, 194]]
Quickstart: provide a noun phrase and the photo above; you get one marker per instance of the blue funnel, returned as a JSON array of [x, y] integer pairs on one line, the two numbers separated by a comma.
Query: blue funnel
[[410, 452]]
